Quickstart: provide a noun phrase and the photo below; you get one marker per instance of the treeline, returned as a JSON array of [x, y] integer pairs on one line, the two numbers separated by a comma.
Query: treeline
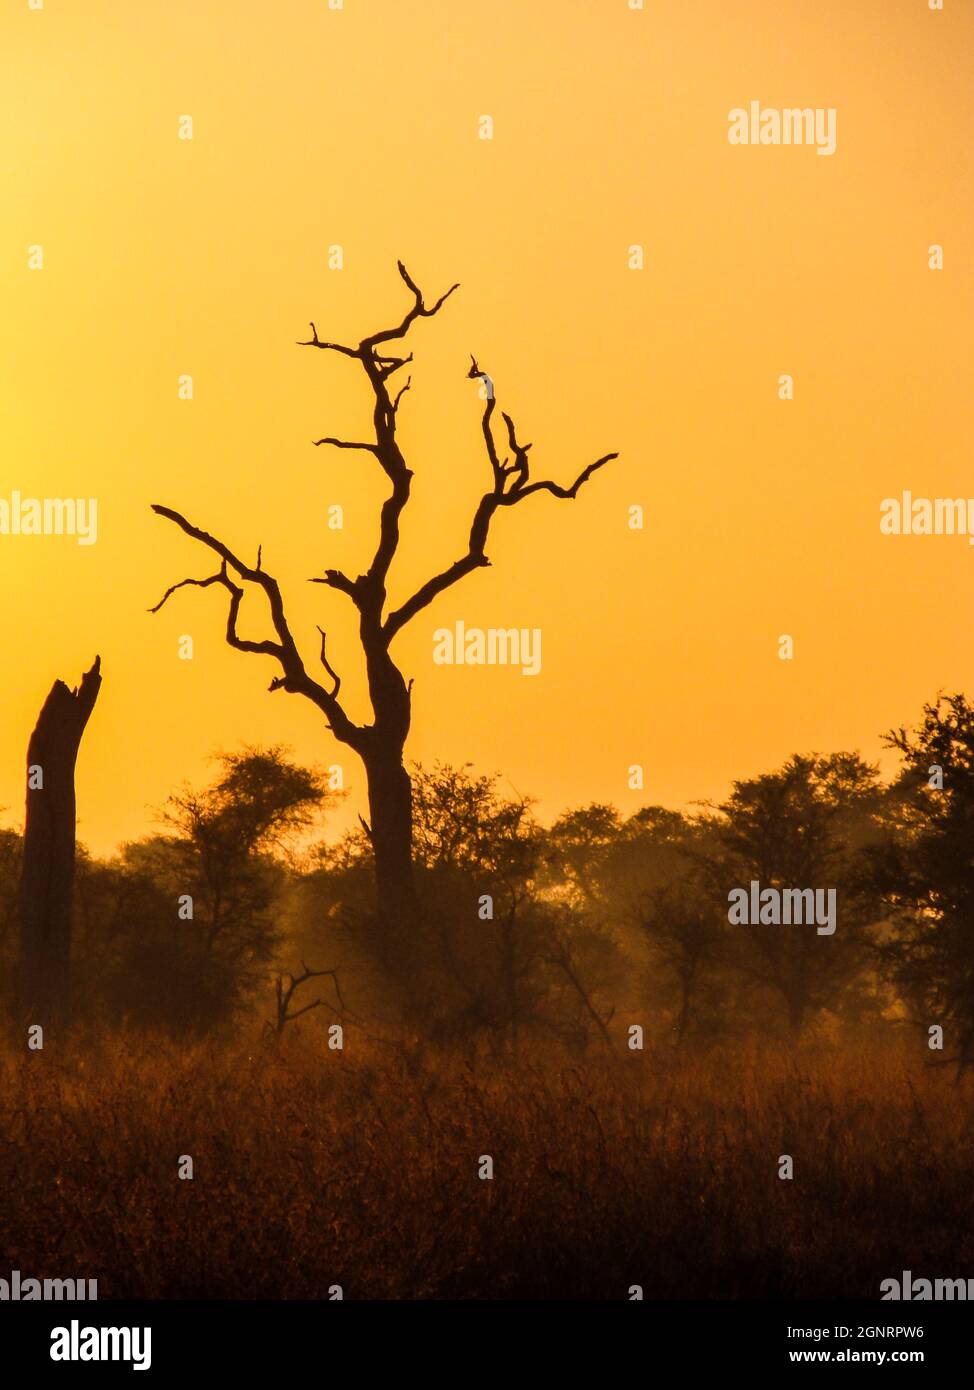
[[574, 932]]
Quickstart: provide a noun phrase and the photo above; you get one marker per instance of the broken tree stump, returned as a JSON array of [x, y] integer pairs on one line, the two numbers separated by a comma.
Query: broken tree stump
[[47, 875]]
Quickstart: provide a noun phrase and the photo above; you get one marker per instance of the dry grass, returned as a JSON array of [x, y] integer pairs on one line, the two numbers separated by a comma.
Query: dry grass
[[314, 1168]]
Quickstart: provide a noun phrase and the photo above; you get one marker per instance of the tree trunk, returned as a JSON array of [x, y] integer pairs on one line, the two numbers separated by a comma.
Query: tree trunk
[[391, 816], [47, 876]]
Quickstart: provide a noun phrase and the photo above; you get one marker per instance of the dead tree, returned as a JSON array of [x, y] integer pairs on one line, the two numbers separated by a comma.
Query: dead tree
[[284, 993], [47, 875], [380, 743]]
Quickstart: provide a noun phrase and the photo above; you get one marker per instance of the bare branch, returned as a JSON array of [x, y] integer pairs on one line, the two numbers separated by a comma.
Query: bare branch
[[388, 365], [345, 444], [198, 583], [336, 579], [419, 310], [511, 485], [241, 644], [236, 594], [284, 996], [294, 677], [224, 552], [315, 341], [324, 662], [427, 592], [564, 492]]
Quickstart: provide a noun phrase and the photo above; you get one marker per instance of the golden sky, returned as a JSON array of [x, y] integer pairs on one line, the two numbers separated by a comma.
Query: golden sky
[[359, 127]]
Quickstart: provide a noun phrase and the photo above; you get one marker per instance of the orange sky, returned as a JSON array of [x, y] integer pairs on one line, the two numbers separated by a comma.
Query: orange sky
[[360, 127]]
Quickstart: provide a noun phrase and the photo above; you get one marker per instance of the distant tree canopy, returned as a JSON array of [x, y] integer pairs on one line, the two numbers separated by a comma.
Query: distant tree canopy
[[223, 845], [574, 931], [925, 870], [181, 927], [806, 825]]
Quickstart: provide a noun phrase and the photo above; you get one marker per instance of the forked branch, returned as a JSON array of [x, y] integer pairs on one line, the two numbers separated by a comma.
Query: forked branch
[[285, 993], [511, 484], [294, 678]]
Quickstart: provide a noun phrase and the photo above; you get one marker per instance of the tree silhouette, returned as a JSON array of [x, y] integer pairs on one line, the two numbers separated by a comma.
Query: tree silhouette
[[806, 825], [926, 871], [379, 744], [47, 870]]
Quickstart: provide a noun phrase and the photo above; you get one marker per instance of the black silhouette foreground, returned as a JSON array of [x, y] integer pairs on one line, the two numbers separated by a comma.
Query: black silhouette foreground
[[379, 744], [47, 874]]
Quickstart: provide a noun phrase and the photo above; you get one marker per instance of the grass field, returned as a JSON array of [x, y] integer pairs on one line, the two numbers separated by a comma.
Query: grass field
[[315, 1168]]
